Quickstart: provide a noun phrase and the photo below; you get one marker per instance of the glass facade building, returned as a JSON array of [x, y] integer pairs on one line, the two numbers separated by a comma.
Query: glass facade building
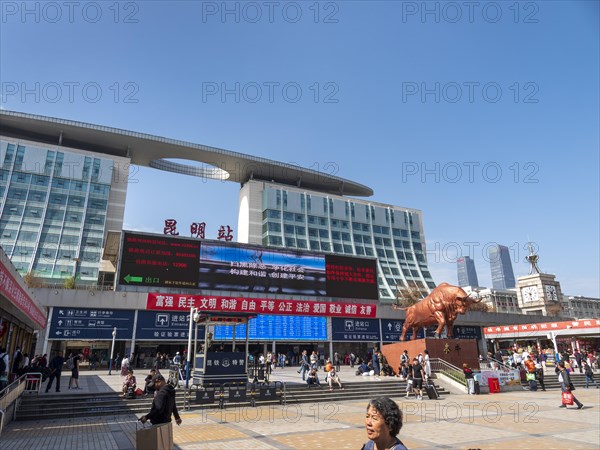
[[503, 276], [278, 215], [56, 204], [467, 275]]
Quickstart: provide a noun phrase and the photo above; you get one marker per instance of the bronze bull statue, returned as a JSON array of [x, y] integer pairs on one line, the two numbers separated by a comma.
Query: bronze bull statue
[[442, 306]]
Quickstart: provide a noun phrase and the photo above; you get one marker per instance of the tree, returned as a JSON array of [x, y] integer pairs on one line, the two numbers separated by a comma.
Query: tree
[[407, 295], [32, 280], [69, 283], [480, 306], [553, 308]]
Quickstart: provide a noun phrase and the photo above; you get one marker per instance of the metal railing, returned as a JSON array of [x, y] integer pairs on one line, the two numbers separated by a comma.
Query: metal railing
[[9, 395], [494, 364], [450, 370]]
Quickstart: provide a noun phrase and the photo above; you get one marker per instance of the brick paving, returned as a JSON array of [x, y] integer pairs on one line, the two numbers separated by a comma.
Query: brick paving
[[508, 420]]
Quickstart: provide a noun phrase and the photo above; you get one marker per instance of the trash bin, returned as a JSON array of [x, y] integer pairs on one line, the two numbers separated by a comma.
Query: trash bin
[[494, 384]]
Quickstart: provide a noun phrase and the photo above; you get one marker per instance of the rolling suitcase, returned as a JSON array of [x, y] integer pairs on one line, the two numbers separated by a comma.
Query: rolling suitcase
[[432, 392]]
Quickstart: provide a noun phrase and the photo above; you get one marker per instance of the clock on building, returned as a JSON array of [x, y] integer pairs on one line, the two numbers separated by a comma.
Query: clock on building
[[529, 294], [551, 294]]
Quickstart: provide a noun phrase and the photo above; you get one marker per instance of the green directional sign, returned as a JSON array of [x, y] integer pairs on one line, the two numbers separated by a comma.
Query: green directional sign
[[130, 279]]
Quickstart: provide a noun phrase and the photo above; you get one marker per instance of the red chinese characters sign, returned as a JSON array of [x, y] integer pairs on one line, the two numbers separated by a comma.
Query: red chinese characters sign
[[530, 328], [10, 288], [170, 302]]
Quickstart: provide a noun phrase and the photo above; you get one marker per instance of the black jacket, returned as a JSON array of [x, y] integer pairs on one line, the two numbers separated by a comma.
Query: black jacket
[[56, 364], [163, 406]]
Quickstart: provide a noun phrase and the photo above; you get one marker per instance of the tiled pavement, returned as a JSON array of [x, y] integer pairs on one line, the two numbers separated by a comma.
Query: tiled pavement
[[504, 421]]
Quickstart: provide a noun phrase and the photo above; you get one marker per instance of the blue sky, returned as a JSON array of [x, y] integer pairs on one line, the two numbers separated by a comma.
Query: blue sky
[[486, 120]]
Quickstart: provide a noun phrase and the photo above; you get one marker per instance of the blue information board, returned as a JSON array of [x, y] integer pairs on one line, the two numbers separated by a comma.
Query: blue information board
[[164, 326], [354, 329], [281, 328], [84, 324], [392, 330]]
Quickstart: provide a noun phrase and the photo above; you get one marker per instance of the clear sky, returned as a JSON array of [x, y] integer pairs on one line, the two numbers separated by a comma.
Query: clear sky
[[485, 116]]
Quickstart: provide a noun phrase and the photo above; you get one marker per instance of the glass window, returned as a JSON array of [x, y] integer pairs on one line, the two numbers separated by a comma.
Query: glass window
[[312, 232], [288, 216], [301, 231], [275, 240], [335, 235], [337, 248], [323, 233], [301, 243], [325, 246], [290, 242], [348, 249], [275, 226]]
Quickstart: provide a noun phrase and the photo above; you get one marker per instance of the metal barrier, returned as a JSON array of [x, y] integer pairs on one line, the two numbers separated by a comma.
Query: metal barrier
[[33, 383], [259, 373]]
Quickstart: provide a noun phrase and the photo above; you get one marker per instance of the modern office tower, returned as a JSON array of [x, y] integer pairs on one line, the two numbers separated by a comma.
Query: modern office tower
[[503, 276], [62, 191], [55, 204], [279, 215], [467, 275]]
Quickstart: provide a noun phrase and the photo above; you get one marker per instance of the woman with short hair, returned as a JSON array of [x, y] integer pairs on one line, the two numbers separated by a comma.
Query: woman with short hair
[[383, 423]]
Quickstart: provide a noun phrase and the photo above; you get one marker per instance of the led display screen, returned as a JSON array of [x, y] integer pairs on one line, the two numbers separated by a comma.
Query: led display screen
[[161, 261]]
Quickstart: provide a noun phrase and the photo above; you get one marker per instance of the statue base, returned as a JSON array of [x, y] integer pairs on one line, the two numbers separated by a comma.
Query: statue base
[[454, 351]]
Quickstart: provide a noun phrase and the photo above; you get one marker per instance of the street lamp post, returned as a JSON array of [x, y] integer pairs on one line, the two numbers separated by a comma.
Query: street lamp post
[[193, 314], [112, 351]]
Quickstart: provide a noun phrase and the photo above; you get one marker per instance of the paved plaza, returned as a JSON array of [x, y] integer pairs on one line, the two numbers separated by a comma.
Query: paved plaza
[[508, 420]]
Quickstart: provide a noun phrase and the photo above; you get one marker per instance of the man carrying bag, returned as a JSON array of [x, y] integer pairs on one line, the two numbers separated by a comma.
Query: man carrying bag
[[160, 436]]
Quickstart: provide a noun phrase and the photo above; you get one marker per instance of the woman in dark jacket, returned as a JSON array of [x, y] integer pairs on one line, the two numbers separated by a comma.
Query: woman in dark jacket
[[565, 384], [163, 405]]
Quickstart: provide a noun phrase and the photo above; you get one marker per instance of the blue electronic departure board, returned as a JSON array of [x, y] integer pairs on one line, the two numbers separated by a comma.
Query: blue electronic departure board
[[281, 328]]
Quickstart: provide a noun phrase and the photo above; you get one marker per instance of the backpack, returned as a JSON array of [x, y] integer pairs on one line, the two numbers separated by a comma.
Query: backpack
[[70, 363], [2, 364]]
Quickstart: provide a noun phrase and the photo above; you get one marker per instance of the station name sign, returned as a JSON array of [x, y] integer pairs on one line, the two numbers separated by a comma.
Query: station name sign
[[161, 261], [170, 302]]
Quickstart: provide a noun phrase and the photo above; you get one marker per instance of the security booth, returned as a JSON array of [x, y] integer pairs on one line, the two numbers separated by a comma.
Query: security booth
[[219, 373]]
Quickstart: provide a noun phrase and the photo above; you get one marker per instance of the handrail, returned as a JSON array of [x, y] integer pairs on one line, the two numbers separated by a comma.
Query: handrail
[[495, 361], [456, 373]]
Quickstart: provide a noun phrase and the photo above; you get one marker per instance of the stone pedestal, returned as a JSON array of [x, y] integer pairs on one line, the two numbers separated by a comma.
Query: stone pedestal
[[461, 351]]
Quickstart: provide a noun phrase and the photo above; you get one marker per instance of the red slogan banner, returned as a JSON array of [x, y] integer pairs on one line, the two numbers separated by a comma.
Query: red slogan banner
[[15, 294], [167, 302]]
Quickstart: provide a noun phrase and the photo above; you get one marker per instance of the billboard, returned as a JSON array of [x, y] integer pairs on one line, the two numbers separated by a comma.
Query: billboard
[[161, 261]]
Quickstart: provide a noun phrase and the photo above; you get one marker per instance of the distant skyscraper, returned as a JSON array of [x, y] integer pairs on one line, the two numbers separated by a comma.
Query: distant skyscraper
[[467, 276], [503, 276]]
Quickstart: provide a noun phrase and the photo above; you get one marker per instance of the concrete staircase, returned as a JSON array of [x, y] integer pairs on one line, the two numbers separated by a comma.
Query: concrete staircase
[[551, 381], [40, 407]]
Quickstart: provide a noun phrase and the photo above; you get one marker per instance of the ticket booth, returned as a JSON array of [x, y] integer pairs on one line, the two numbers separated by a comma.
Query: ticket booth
[[216, 365]]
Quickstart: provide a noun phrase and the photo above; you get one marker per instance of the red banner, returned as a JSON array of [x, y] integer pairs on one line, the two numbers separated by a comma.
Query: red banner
[[10, 288], [546, 326], [170, 302]]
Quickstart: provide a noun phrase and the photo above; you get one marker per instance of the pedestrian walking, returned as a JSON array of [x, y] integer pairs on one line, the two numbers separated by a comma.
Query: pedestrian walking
[[589, 375], [566, 386], [470, 380], [55, 366], [304, 365], [383, 423], [73, 364], [4, 366], [163, 405]]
